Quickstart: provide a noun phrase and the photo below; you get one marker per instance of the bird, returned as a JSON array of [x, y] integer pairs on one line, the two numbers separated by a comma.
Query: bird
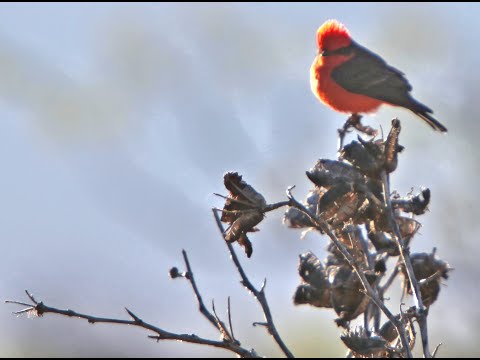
[[349, 78]]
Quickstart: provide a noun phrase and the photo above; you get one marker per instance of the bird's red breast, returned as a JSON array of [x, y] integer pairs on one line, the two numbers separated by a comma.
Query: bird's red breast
[[332, 94]]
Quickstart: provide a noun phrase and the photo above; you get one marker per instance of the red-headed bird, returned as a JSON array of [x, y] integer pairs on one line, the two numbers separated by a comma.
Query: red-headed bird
[[351, 79]]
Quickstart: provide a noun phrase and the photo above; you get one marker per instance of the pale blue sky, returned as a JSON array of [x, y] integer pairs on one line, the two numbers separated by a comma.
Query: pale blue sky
[[119, 120]]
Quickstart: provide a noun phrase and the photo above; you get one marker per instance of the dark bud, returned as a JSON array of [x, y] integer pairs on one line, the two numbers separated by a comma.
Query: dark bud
[[174, 273]]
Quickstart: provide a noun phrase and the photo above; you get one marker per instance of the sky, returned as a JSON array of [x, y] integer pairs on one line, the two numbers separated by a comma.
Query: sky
[[118, 122]]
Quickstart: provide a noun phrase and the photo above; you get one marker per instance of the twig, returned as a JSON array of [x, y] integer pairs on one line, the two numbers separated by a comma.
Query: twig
[[275, 206], [266, 208], [229, 313], [238, 201], [201, 306], [324, 227], [435, 350], [259, 295], [405, 256], [40, 309], [223, 330], [438, 274]]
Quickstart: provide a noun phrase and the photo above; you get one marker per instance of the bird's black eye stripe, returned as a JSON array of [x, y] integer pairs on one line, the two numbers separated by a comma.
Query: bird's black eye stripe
[[346, 50]]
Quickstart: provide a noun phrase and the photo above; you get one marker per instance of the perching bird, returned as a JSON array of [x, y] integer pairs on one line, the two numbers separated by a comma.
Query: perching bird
[[351, 79]]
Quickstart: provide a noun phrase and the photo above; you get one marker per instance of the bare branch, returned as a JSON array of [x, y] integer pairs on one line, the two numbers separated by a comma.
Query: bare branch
[[201, 306], [405, 256], [161, 334], [223, 330], [259, 295]]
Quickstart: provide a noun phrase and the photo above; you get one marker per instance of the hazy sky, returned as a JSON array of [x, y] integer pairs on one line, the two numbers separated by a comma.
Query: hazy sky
[[119, 120]]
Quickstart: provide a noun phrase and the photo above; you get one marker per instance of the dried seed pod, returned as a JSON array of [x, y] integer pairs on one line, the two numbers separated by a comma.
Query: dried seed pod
[[246, 222], [408, 228], [245, 242], [391, 147], [365, 156], [241, 197], [243, 210], [417, 204], [311, 270], [352, 238], [316, 291], [338, 211], [294, 218], [333, 195], [307, 294], [348, 300], [429, 273], [365, 346], [326, 173], [336, 286], [388, 330], [383, 243]]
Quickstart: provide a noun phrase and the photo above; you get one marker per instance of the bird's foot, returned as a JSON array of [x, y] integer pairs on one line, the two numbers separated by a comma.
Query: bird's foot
[[354, 122]]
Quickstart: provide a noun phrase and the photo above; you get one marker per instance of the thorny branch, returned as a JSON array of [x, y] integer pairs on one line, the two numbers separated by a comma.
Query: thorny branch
[[258, 294], [201, 306], [37, 308]]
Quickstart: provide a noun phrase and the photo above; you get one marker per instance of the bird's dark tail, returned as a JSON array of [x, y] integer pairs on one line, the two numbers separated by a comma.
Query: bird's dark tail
[[424, 113], [430, 120]]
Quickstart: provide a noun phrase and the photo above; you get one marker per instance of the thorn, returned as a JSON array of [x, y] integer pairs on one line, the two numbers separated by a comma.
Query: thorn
[[263, 285], [133, 316], [260, 324]]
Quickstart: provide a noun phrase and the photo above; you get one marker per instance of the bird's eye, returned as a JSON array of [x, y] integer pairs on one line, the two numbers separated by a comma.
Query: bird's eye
[[344, 51]]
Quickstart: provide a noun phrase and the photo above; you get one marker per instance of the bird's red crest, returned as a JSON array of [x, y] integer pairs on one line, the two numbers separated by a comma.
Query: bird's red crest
[[332, 35]]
